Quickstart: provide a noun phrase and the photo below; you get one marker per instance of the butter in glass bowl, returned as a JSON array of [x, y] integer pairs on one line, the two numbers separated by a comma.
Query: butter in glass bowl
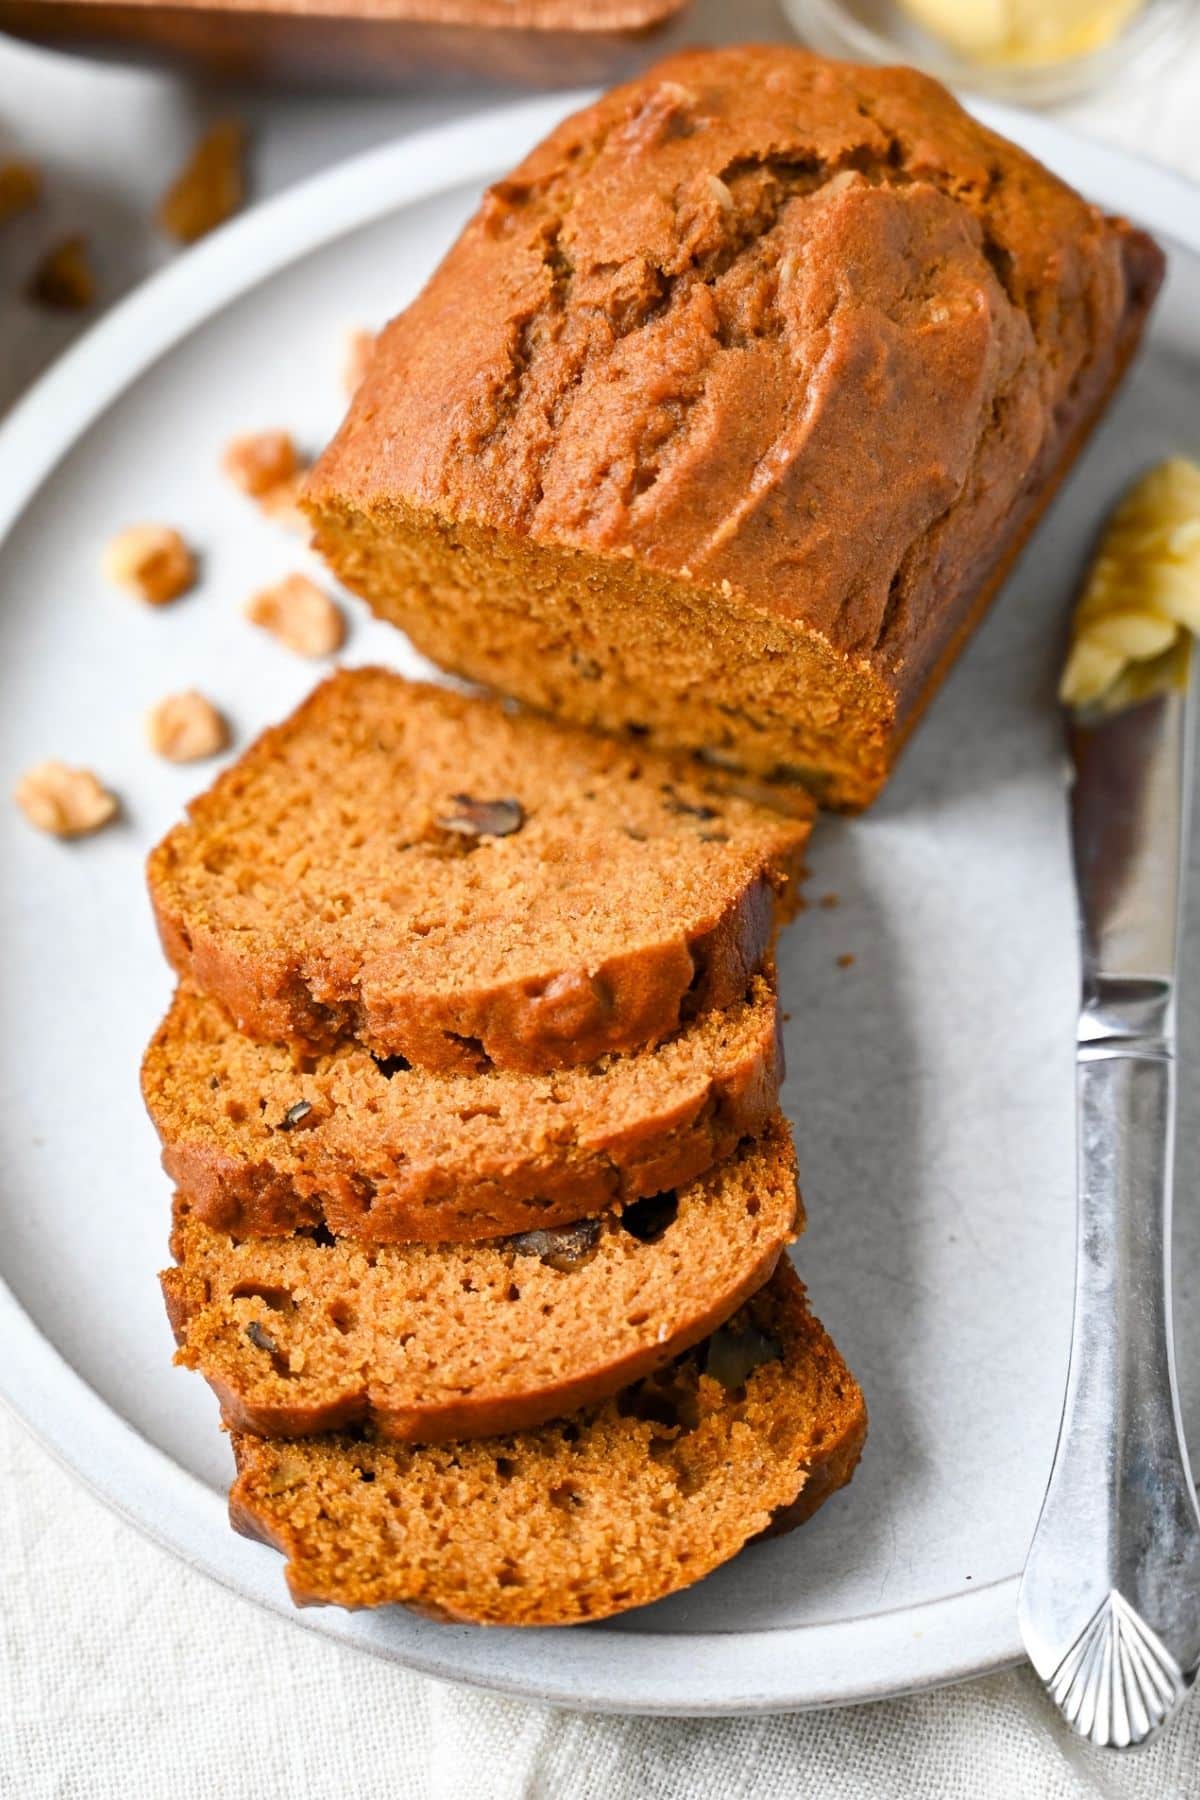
[[1023, 33], [1035, 52]]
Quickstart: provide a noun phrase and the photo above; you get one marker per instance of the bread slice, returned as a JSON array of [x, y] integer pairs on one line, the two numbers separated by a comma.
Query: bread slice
[[387, 1153], [431, 1341], [462, 886], [732, 406], [618, 1506]]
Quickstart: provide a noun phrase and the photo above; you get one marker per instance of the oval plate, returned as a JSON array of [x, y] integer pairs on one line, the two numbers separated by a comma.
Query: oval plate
[[930, 1082]]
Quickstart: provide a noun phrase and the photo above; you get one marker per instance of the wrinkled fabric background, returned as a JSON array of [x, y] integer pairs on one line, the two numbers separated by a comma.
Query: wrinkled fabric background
[[124, 1674]]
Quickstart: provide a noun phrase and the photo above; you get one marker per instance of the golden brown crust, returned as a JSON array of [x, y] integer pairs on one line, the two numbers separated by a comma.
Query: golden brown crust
[[751, 378], [387, 1155], [430, 1342], [457, 885], [616, 1507], [1144, 268]]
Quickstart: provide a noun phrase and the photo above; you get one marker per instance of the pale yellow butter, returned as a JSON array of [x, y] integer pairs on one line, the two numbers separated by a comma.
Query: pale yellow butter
[[1023, 32], [1142, 593]]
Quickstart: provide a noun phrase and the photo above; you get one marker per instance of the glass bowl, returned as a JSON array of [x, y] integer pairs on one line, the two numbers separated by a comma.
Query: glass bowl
[[878, 32]]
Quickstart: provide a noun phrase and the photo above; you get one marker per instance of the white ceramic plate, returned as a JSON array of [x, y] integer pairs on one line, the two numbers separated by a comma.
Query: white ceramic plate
[[930, 1083]]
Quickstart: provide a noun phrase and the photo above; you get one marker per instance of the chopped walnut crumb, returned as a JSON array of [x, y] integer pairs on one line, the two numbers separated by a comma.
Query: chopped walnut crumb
[[210, 186], [20, 188], [267, 466], [186, 728], [846, 960], [64, 801], [360, 347], [152, 561], [720, 193], [288, 1471], [63, 279], [260, 461], [282, 503], [300, 615]]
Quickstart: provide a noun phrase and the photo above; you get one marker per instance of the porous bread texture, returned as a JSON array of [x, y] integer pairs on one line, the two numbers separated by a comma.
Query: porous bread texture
[[618, 1506], [458, 884], [425, 1342], [731, 407], [260, 1143]]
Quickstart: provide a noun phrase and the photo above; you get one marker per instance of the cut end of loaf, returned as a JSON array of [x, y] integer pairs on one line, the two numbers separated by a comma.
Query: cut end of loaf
[[675, 664]]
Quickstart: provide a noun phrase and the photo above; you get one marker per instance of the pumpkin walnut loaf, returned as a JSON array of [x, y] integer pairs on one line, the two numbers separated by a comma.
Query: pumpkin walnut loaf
[[431, 1341], [461, 886], [617, 1506], [731, 408], [385, 1152]]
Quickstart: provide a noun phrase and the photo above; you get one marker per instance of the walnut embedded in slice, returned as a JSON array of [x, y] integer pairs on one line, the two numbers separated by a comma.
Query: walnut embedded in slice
[[186, 728], [63, 280], [290, 1470], [673, 802], [299, 1114], [20, 188], [210, 186], [300, 615], [64, 801], [734, 1352], [260, 461], [261, 1338], [473, 818], [562, 1247]]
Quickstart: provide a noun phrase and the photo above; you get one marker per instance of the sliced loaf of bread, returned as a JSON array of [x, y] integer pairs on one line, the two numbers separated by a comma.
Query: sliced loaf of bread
[[431, 1341], [617, 1506], [384, 1152], [461, 886]]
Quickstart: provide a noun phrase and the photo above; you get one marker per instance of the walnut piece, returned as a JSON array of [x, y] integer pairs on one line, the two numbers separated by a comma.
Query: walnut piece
[[210, 186], [20, 188], [267, 466], [360, 347], [300, 615], [733, 1353], [151, 561], [282, 503], [260, 461], [63, 279], [562, 1247], [186, 728], [63, 801], [474, 818]]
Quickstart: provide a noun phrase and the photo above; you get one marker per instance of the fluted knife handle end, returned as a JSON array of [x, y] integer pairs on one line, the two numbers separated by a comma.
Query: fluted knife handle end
[[1118, 1682]]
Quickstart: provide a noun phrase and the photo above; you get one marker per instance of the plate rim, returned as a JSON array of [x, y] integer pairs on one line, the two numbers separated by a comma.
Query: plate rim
[[837, 1662]]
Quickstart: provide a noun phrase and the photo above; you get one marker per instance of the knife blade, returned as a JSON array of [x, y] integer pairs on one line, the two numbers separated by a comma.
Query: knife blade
[[1109, 1605]]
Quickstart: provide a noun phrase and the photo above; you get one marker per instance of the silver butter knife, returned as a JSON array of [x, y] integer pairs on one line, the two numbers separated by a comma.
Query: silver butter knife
[[1109, 1605]]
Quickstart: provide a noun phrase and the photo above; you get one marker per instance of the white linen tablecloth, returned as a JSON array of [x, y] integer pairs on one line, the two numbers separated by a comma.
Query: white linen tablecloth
[[124, 1674]]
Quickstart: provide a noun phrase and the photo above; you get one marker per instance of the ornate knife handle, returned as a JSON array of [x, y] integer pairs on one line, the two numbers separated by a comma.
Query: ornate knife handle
[[1110, 1602]]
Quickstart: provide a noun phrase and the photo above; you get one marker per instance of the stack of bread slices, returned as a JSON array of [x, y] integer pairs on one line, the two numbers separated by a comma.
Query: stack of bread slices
[[469, 1093]]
